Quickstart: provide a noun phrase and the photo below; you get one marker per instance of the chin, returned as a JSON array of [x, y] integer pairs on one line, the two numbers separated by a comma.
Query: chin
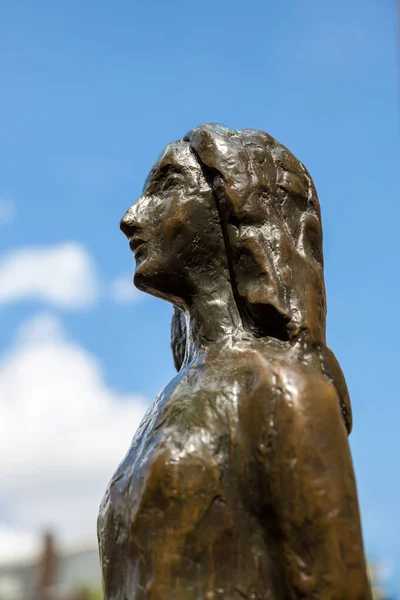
[[146, 281], [162, 285], [141, 279]]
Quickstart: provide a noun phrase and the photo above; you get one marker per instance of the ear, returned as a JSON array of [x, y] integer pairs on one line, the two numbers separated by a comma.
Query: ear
[[178, 337]]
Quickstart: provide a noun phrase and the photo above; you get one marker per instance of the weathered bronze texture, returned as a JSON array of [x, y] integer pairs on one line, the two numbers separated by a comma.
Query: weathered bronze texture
[[239, 482]]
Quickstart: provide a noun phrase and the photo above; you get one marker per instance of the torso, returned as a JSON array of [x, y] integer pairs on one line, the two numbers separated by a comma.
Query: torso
[[223, 476]]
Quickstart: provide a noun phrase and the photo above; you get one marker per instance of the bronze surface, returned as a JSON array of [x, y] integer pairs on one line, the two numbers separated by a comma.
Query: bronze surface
[[239, 482]]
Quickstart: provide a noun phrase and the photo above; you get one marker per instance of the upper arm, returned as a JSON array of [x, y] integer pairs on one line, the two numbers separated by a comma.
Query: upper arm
[[331, 369], [308, 486]]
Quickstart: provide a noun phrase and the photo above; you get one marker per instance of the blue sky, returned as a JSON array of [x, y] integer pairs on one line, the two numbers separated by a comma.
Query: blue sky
[[91, 92]]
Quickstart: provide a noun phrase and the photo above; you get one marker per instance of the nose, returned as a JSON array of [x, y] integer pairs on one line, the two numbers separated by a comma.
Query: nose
[[127, 223]]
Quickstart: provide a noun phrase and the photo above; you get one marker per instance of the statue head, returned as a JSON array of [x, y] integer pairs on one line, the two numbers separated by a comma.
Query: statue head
[[241, 203]]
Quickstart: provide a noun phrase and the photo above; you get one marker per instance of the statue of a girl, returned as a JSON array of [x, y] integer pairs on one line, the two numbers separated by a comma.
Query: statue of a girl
[[239, 482]]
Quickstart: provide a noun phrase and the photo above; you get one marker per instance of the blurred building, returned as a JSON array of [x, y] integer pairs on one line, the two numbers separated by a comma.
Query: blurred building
[[55, 575]]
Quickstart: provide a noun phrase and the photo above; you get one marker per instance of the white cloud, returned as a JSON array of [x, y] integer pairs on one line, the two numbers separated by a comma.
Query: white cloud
[[16, 544], [7, 210], [63, 275], [123, 291], [62, 434]]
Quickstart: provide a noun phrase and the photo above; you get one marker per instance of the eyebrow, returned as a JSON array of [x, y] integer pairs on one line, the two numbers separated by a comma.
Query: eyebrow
[[170, 168], [158, 173]]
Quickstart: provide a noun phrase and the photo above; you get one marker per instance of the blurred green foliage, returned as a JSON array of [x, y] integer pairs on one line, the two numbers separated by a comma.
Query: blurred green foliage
[[92, 593]]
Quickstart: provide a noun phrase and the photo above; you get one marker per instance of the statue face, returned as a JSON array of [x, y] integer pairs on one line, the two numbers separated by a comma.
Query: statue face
[[173, 228]]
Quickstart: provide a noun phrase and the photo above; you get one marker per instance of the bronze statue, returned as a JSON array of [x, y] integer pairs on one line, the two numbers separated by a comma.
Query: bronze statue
[[239, 482]]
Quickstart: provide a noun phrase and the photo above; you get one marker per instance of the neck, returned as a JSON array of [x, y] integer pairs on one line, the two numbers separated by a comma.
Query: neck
[[211, 316]]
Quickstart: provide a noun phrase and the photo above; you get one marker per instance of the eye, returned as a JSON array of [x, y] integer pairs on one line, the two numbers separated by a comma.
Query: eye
[[165, 179], [171, 181]]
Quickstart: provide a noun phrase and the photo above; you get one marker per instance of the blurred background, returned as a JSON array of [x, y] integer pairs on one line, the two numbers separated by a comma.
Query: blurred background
[[90, 94]]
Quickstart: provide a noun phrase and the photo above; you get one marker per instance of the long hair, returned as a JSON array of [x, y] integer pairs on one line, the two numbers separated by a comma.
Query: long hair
[[271, 222], [271, 219]]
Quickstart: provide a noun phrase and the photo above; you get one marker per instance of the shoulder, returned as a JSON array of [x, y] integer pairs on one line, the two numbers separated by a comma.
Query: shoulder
[[268, 381], [252, 367]]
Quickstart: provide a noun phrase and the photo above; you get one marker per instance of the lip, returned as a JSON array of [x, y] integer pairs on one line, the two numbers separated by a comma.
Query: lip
[[135, 243]]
